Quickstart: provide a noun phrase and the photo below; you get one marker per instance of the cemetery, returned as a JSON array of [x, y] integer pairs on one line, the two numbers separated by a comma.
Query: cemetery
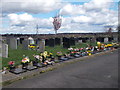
[[20, 55]]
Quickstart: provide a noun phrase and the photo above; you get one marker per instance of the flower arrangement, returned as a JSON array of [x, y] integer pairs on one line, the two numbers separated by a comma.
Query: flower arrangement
[[25, 60], [11, 63], [59, 53], [70, 48]]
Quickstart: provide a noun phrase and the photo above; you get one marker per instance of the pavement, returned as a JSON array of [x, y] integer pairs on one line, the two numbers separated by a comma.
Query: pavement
[[88, 63]]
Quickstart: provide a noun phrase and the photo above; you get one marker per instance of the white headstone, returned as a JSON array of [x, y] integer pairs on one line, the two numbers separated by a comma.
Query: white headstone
[[105, 40], [5, 50], [80, 41]]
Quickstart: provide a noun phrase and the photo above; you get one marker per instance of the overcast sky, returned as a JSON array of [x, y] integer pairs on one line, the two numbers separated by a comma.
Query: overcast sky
[[78, 16]]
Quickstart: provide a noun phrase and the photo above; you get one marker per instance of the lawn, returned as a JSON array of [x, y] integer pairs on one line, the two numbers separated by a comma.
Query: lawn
[[17, 55]]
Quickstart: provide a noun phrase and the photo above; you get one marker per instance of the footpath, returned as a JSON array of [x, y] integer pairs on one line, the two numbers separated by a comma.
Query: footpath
[[9, 78]]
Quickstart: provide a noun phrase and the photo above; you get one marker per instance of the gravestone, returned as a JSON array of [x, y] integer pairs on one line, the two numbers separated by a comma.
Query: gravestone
[[84, 40], [12, 43], [31, 40], [105, 40], [25, 44], [72, 41], [80, 41], [51, 42], [57, 41], [5, 50], [41, 45], [110, 39], [93, 39], [46, 42], [66, 42], [18, 41], [115, 39], [21, 40]]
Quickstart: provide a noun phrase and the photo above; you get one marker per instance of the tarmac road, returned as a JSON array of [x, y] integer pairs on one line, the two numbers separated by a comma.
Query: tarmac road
[[95, 72]]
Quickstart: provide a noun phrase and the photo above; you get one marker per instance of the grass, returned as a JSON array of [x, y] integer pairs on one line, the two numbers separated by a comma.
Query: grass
[[17, 55]]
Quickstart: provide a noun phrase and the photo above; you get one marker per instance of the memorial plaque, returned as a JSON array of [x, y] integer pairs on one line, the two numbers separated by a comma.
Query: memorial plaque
[[18, 71]]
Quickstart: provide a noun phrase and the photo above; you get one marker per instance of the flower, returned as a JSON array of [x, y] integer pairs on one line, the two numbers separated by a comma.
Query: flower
[[70, 48], [11, 63]]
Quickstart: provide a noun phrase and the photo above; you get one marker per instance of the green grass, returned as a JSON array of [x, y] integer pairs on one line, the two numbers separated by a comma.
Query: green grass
[[17, 55]]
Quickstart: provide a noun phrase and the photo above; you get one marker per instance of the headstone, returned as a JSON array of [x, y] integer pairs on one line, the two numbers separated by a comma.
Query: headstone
[[5, 50], [84, 40], [21, 40], [93, 39], [46, 42], [105, 40], [72, 41], [115, 39], [51, 42], [66, 42], [110, 39], [18, 41], [41, 45], [57, 41], [25, 44], [80, 41], [31, 40], [12, 43]]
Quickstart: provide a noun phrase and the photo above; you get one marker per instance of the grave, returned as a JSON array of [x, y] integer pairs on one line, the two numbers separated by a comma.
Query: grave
[[5, 50], [106, 40], [57, 41], [12, 43], [72, 41], [110, 39], [18, 41], [51, 42], [31, 40], [17, 70], [66, 42], [30, 67], [46, 42], [21, 40], [41, 45], [25, 44], [93, 39], [115, 39], [84, 40]]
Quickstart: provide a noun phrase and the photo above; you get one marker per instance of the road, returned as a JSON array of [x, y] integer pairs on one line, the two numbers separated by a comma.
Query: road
[[95, 72]]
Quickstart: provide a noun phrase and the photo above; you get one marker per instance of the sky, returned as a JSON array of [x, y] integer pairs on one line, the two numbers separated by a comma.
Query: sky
[[78, 16]]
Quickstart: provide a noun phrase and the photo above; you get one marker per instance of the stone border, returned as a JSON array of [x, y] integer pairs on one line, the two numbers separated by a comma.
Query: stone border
[[50, 68]]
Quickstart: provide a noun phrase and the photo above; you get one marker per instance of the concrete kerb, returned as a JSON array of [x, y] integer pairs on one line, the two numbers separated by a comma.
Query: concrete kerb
[[49, 68]]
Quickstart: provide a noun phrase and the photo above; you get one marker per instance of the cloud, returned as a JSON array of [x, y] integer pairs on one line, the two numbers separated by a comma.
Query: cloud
[[70, 9], [30, 6], [89, 17]]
